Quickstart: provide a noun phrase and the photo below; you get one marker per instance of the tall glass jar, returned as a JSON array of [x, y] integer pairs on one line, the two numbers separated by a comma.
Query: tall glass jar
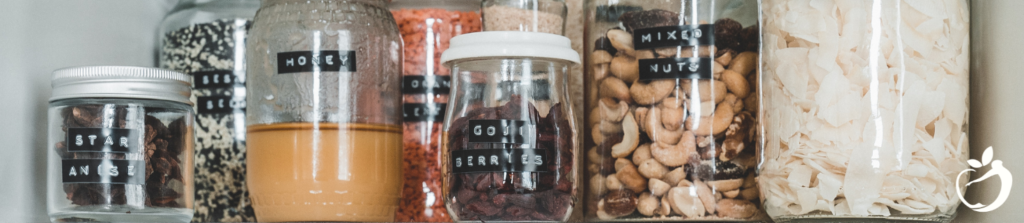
[[672, 108], [546, 16], [510, 147], [427, 27], [324, 134], [120, 145], [206, 39], [865, 109]]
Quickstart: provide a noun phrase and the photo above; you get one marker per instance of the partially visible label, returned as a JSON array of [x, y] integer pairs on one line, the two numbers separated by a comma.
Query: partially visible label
[[419, 84], [501, 160], [538, 89], [105, 171], [217, 79], [309, 61], [502, 131], [220, 105], [103, 140], [676, 68], [671, 36], [422, 112]]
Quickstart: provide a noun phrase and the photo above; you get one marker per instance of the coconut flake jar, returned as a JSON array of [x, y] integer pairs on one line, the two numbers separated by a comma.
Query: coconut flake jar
[[864, 108]]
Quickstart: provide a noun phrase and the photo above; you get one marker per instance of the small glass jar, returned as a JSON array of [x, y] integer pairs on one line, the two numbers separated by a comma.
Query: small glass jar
[[206, 39], [426, 28], [509, 134], [865, 111], [546, 16], [671, 110], [120, 145], [324, 122]]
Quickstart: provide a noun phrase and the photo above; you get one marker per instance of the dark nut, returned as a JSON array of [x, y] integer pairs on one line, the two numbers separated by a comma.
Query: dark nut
[[620, 202]]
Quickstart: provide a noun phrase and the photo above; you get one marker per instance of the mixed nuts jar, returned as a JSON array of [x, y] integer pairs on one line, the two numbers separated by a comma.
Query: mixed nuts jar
[[206, 40], [120, 145], [671, 99], [509, 134], [865, 109], [324, 117], [546, 16], [427, 28]]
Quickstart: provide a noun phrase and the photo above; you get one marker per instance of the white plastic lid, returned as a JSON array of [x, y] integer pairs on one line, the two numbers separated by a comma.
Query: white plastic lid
[[121, 82], [500, 44]]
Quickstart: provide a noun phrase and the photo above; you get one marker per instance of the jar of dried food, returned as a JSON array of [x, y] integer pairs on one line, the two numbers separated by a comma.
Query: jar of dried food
[[865, 109], [546, 16], [206, 39], [509, 134], [672, 105], [427, 27], [324, 133], [120, 145]]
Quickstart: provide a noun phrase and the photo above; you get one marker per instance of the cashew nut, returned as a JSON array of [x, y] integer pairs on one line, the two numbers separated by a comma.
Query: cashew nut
[[706, 91], [744, 63], [726, 185], [612, 183], [673, 177], [630, 138], [626, 68], [684, 203], [657, 132], [615, 88], [706, 196], [731, 193], [652, 169], [672, 115], [611, 111], [641, 114], [600, 71], [652, 92], [622, 162], [642, 153], [711, 125], [647, 204], [736, 83], [684, 183], [597, 135], [736, 209], [675, 155], [644, 54], [600, 57], [593, 156], [705, 108], [607, 127], [622, 41], [658, 187], [597, 185], [631, 179]]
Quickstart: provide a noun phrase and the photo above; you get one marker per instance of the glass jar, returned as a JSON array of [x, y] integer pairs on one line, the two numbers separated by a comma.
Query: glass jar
[[206, 39], [120, 145], [672, 105], [509, 134], [546, 16], [426, 28], [324, 133], [864, 117]]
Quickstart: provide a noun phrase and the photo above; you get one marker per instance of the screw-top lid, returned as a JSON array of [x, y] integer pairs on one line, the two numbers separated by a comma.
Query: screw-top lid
[[509, 44], [120, 82]]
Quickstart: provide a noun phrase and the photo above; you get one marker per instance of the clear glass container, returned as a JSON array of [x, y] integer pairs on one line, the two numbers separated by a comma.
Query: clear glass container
[[546, 16], [206, 39], [324, 127], [865, 109], [426, 28], [509, 134], [120, 145], [671, 110]]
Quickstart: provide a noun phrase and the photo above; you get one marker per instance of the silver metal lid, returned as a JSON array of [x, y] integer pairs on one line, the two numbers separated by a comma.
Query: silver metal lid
[[120, 82]]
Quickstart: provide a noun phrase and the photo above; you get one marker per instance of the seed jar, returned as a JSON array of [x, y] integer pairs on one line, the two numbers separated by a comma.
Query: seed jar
[[546, 16], [324, 119], [509, 134], [671, 101], [865, 109], [427, 28], [120, 145]]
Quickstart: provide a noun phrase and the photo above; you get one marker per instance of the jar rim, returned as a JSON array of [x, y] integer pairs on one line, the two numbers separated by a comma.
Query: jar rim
[[120, 82]]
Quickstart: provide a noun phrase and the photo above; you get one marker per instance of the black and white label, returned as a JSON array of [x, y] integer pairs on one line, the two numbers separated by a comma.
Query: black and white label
[[417, 84], [671, 36], [423, 112], [309, 61], [502, 131], [501, 160], [217, 79], [676, 68], [220, 105], [538, 89], [105, 171], [103, 140]]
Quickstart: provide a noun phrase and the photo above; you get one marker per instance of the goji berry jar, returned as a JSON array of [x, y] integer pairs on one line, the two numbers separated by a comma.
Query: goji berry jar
[[426, 28], [120, 145], [509, 133]]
